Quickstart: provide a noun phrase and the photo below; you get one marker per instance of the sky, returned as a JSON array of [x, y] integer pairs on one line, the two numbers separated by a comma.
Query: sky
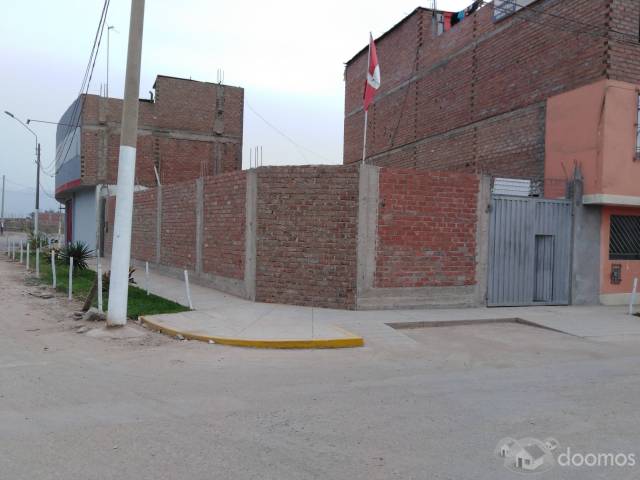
[[288, 55]]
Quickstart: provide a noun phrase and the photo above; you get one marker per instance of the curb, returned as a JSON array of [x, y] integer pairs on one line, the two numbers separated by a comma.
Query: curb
[[346, 342]]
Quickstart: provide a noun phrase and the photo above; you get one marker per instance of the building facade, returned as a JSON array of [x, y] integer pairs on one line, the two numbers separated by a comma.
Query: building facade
[[187, 129], [545, 90]]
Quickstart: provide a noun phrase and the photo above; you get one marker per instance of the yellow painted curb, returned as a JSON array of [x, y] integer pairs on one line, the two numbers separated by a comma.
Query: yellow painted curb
[[346, 342]]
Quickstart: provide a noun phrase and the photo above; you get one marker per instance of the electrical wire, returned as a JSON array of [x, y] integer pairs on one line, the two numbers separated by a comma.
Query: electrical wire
[[84, 88], [300, 148]]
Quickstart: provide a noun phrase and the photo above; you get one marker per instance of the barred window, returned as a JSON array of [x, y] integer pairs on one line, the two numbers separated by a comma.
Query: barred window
[[624, 238]]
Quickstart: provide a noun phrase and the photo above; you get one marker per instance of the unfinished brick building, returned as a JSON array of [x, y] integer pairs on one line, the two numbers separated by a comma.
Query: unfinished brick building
[[187, 129], [473, 97], [541, 90]]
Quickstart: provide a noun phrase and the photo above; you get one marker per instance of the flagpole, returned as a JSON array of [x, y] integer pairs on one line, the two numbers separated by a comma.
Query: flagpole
[[366, 110], [364, 144]]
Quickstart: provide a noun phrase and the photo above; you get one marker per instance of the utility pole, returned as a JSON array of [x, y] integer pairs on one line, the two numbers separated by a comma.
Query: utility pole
[[2, 211], [35, 216], [121, 251]]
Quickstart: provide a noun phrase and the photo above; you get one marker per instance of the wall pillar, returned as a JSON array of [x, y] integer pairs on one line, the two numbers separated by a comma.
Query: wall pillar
[[199, 223], [482, 238], [368, 198], [250, 235], [159, 225]]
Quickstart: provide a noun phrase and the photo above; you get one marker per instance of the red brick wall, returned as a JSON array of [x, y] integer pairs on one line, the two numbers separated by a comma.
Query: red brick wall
[[426, 229], [306, 235], [208, 117], [143, 232], [623, 47], [178, 226], [473, 98], [224, 217]]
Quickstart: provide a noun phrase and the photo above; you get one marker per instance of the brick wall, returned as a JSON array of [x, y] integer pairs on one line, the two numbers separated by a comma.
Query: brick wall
[[192, 129], [178, 226], [472, 99], [143, 232], [224, 214], [306, 235], [426, 229]]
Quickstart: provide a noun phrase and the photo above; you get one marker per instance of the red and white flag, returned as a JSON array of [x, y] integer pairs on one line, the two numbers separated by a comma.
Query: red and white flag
[[372, 84]]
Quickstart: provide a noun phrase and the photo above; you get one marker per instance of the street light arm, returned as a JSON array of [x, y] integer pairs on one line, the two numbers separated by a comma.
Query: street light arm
[[23, 124]]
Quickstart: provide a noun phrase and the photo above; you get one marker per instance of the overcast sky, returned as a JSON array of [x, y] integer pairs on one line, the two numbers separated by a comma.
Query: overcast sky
[[288, 55]]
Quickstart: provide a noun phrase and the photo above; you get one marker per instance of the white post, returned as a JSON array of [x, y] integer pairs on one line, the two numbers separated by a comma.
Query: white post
[[99, 273], [13, 250], [146, 276], [21, 252], [28, 253], [121, 248], [54, 279], [633, 295], [186, 282], [70, 277], [7, 246], [38, 262]]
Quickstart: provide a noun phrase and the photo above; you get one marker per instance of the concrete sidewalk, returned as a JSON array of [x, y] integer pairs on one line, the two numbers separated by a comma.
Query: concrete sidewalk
[[228, 319]]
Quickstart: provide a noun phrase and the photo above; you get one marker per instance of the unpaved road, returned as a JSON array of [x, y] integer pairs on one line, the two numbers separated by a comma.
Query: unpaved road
[[148, 407]]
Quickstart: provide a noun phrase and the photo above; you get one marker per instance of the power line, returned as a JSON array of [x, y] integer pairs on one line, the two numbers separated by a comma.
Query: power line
[[86, 82], [286, 137]]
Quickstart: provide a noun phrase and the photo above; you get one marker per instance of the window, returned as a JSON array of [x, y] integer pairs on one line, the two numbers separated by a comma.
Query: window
[[624, 237]]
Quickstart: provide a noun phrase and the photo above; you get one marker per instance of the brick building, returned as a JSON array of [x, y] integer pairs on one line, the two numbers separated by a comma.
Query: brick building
[[187, 129], [546, 90]]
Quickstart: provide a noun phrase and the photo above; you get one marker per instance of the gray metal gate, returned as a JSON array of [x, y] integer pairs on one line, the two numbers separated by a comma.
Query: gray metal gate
[[529, 251]]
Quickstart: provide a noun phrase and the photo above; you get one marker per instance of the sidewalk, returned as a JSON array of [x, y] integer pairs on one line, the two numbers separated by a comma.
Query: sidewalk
[[223, 318]]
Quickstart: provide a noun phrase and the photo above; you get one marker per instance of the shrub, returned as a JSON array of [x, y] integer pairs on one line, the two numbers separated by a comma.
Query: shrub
[[80, 253]]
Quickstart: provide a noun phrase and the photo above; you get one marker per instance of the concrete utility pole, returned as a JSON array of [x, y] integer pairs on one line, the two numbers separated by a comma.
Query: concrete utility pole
[[121, 251], [2, 211], [35, 214]]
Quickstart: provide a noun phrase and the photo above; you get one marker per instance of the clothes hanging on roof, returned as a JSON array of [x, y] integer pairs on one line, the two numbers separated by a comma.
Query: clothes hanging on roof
[[457, 17]]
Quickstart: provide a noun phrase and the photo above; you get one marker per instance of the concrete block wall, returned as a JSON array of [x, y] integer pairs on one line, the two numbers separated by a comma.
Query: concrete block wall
[[347, 237]]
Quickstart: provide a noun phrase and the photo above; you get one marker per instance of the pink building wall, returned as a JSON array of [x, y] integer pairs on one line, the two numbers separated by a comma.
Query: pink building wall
[[594, 128]]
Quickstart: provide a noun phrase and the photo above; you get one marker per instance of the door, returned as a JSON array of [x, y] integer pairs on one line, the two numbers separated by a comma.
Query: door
[[529, 251], [68, 219]]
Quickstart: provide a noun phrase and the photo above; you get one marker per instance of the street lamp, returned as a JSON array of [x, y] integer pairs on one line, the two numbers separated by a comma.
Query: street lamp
[[35, 216]]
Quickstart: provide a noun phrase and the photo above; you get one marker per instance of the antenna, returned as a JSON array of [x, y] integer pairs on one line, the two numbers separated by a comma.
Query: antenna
[[220, 76]]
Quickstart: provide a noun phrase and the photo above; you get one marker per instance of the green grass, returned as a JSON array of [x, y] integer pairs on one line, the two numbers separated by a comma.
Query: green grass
[[139, 303]]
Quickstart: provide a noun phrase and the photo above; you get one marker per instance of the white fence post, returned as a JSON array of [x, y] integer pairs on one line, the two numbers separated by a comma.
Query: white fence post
[[70, 277], [28, 254], [21, 252], [99, 272], [633, 295], [186, 282], [38, 262], [54, 280], [146, 276]]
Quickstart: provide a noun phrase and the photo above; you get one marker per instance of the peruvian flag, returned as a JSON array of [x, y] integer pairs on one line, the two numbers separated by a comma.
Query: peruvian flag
[[372, 84]]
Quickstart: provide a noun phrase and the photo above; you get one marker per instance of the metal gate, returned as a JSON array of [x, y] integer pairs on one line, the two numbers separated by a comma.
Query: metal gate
[[529, 251]]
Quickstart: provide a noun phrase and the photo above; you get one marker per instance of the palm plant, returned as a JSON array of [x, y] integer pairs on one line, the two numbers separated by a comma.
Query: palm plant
[[80, 253]]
